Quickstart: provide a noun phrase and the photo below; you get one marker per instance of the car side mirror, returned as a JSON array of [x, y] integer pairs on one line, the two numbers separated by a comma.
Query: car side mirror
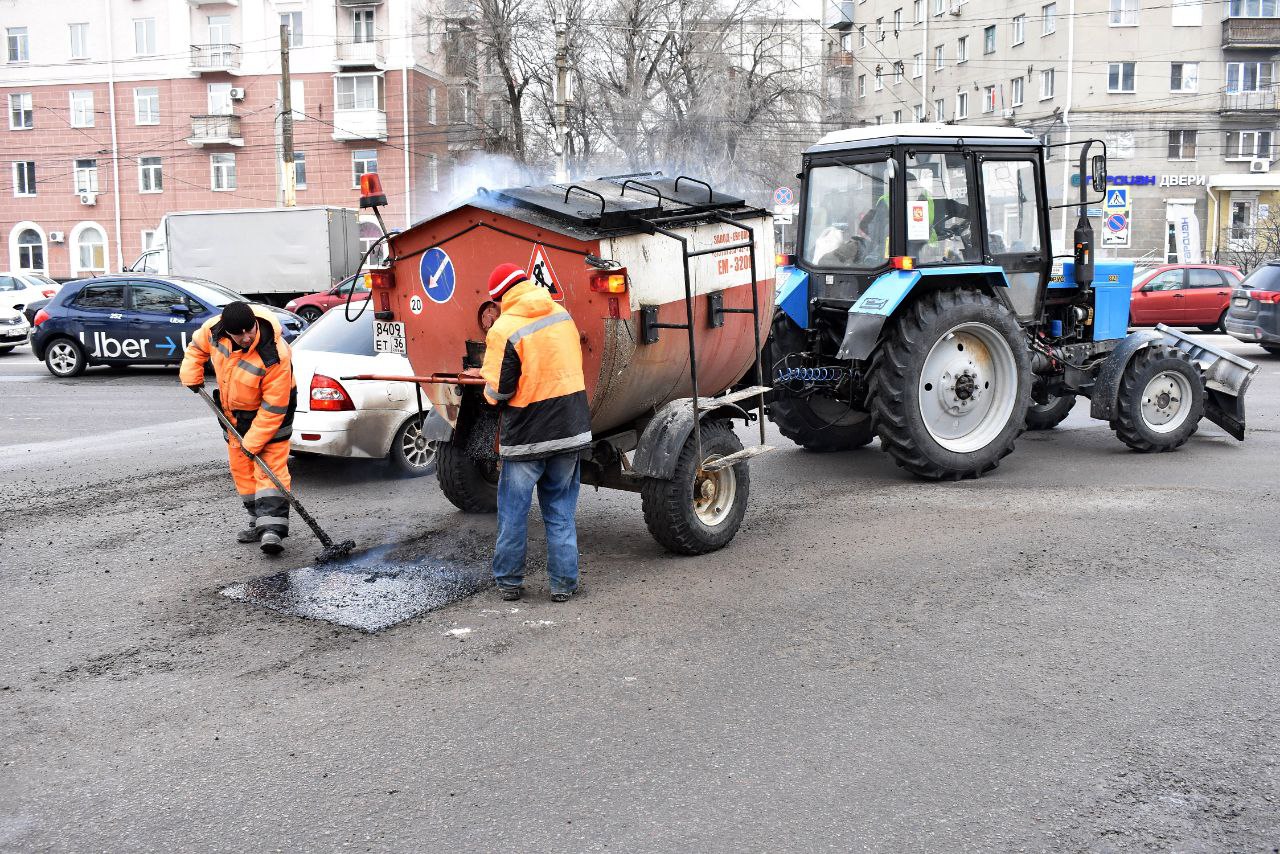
[[179, 308], [1099, 169]]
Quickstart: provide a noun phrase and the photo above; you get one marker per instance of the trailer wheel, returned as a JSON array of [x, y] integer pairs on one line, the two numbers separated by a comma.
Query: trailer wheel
[[1161, 401], [695, 513], [949, 388], [469, 484], [1046, 416], [815, 423]]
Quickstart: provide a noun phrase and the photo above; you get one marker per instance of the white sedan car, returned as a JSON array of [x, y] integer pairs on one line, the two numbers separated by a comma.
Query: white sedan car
[[19, 289], [13, 329], [356, 418]]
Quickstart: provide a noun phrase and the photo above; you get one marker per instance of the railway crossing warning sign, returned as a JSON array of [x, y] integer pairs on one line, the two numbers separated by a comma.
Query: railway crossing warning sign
[[540, 272]]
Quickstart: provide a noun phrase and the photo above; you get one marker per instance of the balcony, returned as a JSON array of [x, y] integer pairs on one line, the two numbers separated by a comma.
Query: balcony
[[209, 58], [842, 59], [837, 14], [215, 130], [1262, 102], [348, 4], [350, 125], [362, 54], [1251, 33]]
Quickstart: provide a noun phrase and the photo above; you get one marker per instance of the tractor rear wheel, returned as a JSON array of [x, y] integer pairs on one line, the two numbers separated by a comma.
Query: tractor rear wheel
[[697, 511], [816, 423], [1161, 401], [1046, 416], [950, 387], [470, 485]]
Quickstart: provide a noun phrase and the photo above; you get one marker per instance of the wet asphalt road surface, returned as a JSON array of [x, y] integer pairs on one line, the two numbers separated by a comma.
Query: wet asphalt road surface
[[1076, 653]]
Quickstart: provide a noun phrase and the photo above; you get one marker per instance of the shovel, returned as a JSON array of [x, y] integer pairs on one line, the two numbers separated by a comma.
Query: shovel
[[332, 551]]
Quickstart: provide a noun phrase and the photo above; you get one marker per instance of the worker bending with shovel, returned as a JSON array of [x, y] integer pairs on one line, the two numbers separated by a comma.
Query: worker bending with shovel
[[256, 392]]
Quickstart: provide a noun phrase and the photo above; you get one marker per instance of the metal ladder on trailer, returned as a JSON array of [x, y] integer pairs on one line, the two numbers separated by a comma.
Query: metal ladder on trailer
[[649, 324]]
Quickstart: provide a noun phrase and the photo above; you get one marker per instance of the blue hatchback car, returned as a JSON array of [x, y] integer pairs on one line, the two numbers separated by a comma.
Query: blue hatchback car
[[130, 320]]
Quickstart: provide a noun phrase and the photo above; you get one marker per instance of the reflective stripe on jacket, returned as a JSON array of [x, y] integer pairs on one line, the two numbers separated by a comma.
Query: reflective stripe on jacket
[[255, 386], [533, 365]]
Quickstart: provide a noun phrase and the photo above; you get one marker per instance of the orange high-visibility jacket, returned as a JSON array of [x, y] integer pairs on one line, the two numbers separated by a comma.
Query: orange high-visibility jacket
[[255, 385], [533, 364]]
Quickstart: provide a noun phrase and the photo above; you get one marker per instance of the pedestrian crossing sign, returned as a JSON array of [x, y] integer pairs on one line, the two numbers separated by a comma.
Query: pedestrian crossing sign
[[1117, 199]]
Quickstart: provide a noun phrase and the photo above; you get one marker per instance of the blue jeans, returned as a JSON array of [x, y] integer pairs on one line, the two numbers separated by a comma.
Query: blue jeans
[[557, 479]]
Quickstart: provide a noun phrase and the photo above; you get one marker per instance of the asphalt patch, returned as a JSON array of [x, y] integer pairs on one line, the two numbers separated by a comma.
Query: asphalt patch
[[374, 590]]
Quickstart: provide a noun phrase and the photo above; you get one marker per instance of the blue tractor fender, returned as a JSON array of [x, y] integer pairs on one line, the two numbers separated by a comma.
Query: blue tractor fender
[[878, 303], [793, 294], [665, 434], [1106, 385]]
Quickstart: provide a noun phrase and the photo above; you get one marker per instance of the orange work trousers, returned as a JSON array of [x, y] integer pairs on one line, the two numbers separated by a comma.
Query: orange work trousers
[[267, 506]]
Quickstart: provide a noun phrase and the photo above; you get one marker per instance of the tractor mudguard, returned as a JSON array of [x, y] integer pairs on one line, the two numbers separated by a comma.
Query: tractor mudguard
[[666, 433], [793, 295], [878, 302], [435, 428]]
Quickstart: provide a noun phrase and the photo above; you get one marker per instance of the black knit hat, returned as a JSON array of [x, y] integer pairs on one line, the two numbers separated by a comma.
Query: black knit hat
[[237, 317]]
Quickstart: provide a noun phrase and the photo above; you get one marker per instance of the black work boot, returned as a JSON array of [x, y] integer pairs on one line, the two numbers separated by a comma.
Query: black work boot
[[249, 535], [272, 543], [510, 594]]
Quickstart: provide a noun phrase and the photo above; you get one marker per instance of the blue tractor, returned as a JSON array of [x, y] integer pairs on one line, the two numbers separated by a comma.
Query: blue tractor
[[922, 307]]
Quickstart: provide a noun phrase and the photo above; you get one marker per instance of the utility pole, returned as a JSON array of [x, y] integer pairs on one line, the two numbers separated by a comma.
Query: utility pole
[[290, 182], [562, 81]]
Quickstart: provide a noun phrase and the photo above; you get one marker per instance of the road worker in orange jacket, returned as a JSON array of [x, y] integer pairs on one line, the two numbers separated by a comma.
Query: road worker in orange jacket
[[254, 369], [533, 371]]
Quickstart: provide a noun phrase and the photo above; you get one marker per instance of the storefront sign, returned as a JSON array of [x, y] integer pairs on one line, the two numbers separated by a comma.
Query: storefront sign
[[1150, 180]]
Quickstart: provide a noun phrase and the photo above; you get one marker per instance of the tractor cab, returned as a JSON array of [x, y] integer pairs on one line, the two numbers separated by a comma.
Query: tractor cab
[[922, 196]]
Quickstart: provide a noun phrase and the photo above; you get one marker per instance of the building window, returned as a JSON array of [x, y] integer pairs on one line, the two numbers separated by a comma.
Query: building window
[[1049, 19], [1120, 77], [146, 105], [1184, 77], [358, 92], [86, 176], [962, 105], [150, 177], [24, 178], [433, 172], [223, 169], [293, 20], [917, 66], [939, 6], [939, 60], [1016, 92], [989, 99], [862, 85], [362, 25], [82, 109], [364, 161], [91, 250], [1248, 144], [1253, 9], [144, 36], [940, 110], [1123, 13], [1046, 84], [1182, 145], [897, 117], [897, 21], [1242, 219], [433, 113], [897, 72], [989, 39], [918, 112], [79, 40], [299, 170], [917, 11], [1186, 13], [21, 114], [879, 79], [879, 29], [1120, 145], [219, 99], [1248, 76], [18, 44], [148, 238], [962, 49], [30, 250], [1019, 29]]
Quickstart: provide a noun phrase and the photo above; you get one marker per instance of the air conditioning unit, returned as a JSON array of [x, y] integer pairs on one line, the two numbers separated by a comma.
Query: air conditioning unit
[[1259, 164], [237, 93], [57, 237], [1007, 114], [88, 198], [955, 8]]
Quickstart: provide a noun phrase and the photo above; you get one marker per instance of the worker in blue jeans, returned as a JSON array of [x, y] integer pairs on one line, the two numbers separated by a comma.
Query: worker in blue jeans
[[533, 372]]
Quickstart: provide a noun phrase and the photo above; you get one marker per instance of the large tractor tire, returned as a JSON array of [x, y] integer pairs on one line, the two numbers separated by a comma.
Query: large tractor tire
[[950, 387], [1046, 416], [471, 485], [1161, 401], [697, 512], [815, 423]]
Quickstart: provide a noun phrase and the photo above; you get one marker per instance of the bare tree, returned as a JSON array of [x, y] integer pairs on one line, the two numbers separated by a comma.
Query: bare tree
[[1246, 248]]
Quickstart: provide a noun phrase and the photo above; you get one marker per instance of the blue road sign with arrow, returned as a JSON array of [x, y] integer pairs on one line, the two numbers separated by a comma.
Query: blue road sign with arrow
[[437, 274]]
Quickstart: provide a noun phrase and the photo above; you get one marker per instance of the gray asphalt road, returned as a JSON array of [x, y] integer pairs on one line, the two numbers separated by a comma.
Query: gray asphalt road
[[1077, 653]]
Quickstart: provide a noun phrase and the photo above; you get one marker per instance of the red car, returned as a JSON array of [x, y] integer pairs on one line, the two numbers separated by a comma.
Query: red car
[[1183, 295], [312, 306]]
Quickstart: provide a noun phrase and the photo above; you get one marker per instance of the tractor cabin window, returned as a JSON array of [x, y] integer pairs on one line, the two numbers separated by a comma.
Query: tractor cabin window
[[847, 215], [1013, 216], [939, 217]]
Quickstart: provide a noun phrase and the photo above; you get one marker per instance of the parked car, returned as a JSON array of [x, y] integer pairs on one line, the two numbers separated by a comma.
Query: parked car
[[356, 418], [31, 309], [1255, 308], [18, 289], [130, 320], [311, 306], [1183, 295], [13, 329]]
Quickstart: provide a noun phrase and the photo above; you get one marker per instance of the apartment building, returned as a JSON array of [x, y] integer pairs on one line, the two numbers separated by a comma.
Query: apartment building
[[120, 111], [1182, 92]]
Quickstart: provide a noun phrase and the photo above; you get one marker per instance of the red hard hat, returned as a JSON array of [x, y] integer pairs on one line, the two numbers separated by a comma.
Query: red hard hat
[[503, 277]]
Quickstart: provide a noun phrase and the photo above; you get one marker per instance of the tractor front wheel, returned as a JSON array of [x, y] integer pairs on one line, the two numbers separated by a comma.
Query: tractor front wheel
[[1161, 401], [950, 387], [699, 511], [471, 485]]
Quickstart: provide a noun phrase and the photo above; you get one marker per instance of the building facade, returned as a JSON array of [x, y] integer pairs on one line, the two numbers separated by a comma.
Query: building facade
[[1183, 94], [120, 111]]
